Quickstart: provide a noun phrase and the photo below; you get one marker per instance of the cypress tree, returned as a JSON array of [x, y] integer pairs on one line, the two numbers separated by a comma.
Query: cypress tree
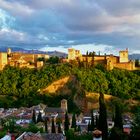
[[34, 117], [89, 126], [73, 122], [116, 134], [117, 130], [118, 117], [46, 125], [79, 128], [66, 123], [39, 117], [87, 53], [53, 126], [59, 128], [135, 133], [97, 122], [103, 117], [92, 122]]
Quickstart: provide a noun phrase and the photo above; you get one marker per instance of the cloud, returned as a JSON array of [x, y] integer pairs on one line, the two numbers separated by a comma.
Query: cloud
[[6, 21], [119, 7], [84, 48], [16, 8], [71, 23]]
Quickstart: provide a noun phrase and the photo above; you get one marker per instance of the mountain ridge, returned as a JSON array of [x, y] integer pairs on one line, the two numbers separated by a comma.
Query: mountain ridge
[[53, 53], [30, 51]]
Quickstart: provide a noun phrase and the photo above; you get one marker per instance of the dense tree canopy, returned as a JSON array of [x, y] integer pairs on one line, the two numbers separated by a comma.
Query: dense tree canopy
[[135, 133], [20, 87]]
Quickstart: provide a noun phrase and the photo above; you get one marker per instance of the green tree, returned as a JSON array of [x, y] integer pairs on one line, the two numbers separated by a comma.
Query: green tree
[[41, 59], [135, 133], [79, 128], [118, 117], [103, 117], [97, 122], [73, 122], [46, 125], [53, 126], [59, 128], [32, 128], [10, 125], [34, 116], [89, 126], [137, 62], [39, 117], [66, 123], [87, 53], [116, 134], [92, 121], [53, 60]]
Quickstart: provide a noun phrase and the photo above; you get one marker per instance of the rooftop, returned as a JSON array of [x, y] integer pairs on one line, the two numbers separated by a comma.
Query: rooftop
[[53, 110]]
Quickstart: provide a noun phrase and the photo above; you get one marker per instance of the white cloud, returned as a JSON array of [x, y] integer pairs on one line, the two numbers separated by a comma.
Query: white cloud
[[61, 23], [43, 37], [16, 8], [94, 47], [102, 48], [58, 48], [10, 34]]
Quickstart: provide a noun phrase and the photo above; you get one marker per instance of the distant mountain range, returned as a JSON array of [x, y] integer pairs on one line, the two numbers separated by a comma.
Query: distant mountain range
[[134, 56], [53, 53]]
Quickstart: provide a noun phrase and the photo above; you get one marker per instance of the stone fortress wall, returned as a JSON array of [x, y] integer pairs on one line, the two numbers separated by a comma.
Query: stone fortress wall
[[19, 59], [30, 60], [3, 60], [110, 61]]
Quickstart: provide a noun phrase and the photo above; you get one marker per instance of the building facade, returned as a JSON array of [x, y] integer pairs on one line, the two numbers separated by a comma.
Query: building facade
[[3, 60], [19, 59], [110, 61]]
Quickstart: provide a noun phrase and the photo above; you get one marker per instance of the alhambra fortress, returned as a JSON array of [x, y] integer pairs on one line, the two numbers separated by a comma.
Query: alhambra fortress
[[110, 61], [19, 59]]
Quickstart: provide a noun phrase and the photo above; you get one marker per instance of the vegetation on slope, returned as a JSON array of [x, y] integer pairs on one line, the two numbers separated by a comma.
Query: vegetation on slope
[[21, 87]]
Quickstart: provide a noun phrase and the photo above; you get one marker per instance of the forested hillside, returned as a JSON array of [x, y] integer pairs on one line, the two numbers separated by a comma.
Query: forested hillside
[[21, 87]]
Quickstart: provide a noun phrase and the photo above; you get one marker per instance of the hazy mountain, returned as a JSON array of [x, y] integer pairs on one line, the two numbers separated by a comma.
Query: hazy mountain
[[4, 49], [51, 53], [56, 53], [134, 56]]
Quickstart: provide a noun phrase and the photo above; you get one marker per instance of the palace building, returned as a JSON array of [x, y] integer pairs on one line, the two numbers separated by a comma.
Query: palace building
[[110, 61], [3, 60], [19, 59]]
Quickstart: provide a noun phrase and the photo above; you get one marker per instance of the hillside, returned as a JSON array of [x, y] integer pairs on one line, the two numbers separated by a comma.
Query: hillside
[[22, 87], [59, 86], [85, 100], [70, 87]]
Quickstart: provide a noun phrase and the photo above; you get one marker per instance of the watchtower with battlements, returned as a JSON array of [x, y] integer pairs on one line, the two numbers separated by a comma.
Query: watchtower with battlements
[[124, 56]]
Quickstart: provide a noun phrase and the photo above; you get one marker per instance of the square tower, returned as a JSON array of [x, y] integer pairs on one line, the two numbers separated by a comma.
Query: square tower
[[64, 105], [3, 60], [124, 56], [71, 54]]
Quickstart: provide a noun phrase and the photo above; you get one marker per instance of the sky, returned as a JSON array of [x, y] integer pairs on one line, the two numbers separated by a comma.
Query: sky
[[88, 25]]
